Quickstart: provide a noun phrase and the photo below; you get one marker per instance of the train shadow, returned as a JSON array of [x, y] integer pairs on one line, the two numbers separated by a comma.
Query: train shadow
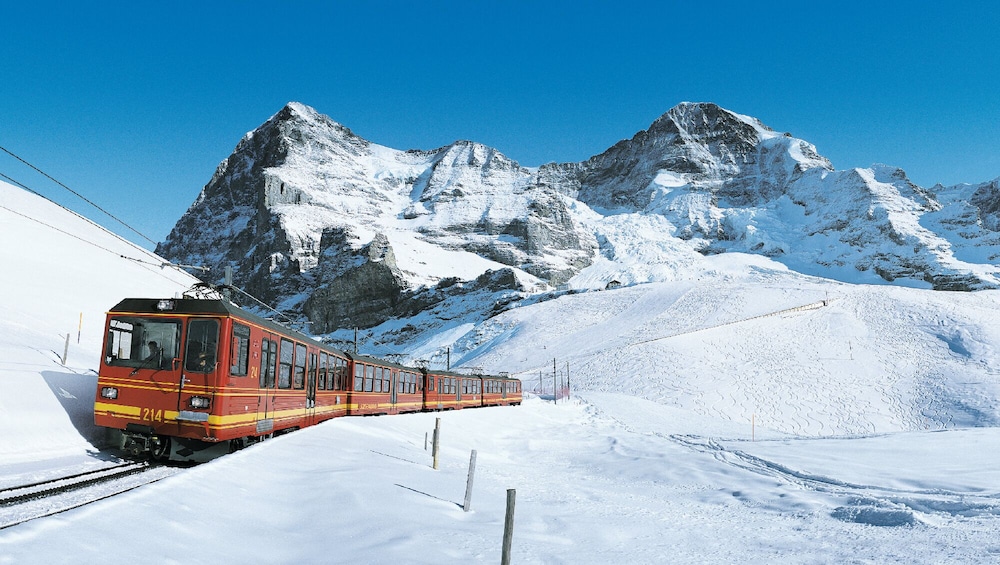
[[75, 392]]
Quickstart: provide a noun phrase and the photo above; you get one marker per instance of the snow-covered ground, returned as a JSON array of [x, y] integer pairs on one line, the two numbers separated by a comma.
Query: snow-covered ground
[[713, 420]]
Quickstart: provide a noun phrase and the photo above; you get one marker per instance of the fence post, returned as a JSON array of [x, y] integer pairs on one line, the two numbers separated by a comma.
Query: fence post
[[468, 484], [437, 440], [508, 527], [65, 351]]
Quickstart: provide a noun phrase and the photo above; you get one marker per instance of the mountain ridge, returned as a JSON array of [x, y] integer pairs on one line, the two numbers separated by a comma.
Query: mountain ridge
[[297, 205]]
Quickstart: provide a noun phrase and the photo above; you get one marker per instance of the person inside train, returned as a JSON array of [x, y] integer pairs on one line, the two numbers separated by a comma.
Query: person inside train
[[155, 354]]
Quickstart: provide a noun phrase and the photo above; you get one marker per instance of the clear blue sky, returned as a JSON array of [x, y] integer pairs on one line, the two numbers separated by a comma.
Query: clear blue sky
[[134, 104]]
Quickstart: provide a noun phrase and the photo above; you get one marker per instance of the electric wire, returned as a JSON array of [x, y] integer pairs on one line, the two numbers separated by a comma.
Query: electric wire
[[160, 264], [21, 185], [82, 197], [97, 245]]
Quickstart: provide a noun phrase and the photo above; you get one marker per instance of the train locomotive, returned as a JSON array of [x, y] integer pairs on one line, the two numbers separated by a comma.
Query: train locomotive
[[189, 379]]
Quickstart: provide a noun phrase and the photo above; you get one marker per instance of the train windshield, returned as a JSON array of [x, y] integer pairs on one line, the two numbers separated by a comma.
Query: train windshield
[[142, 342], [202, 339]]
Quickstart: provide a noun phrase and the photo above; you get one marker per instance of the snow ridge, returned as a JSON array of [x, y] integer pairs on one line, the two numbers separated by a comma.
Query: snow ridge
[[301, 198]]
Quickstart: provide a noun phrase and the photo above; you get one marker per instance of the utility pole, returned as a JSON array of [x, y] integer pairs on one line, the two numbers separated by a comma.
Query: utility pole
[[227, 292], [555, 383]]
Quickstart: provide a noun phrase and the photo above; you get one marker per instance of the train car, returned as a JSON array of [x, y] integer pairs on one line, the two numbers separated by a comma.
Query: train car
[[501, 390], [192, 378], [448, 390], [381, 387]]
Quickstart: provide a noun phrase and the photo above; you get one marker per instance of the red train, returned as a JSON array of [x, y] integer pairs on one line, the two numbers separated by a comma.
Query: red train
[[189, 379]]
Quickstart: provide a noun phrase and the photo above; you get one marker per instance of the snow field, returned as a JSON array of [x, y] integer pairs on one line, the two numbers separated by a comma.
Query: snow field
[[704, 428]]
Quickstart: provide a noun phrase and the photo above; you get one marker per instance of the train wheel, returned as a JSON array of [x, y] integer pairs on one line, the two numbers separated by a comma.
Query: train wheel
[[161, 449]]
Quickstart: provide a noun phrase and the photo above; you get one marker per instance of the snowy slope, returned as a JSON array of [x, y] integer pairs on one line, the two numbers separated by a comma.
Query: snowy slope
[[729, 417], [61, 273]]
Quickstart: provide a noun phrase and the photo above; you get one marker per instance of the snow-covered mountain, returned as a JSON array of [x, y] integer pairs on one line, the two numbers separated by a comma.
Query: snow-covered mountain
[[850, 423], [351, 233]]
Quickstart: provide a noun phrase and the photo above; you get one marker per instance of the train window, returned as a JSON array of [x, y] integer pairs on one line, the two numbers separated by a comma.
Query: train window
[[369, 377], [201, 346], [240, 353], [340, 375], [300, 366], [430, 383], [268, 355], [359, 376], [285, 364], [142, 342], [334, 382], [379, 379], [323, 360]]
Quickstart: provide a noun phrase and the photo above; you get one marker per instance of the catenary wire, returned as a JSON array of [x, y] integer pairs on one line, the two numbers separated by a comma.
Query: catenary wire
[[84, 198]]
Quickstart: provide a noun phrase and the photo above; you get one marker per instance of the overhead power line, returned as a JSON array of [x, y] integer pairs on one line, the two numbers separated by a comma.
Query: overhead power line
[[77, 194]]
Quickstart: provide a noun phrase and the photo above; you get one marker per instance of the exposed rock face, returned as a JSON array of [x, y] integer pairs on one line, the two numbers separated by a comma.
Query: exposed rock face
[[987, 199], [361, 296], [318, 220]]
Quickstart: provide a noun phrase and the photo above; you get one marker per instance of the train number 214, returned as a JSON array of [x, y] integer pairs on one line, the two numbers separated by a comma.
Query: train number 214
[[152, 415]]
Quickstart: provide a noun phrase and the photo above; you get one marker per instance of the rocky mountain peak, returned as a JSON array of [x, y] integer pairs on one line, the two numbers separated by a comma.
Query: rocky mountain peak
[[704, 121], [308, 213]]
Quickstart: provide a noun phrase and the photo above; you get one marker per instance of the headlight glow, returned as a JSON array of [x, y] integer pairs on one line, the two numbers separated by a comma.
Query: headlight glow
[[109, 392], [199, 402]]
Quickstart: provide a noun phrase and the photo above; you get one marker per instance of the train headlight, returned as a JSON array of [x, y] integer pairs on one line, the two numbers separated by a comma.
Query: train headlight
[[165, 305], [109, 392], [199, 402]]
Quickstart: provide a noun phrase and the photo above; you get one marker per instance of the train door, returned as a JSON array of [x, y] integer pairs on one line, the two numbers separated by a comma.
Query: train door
[[198, 372], [393, 388], [265, 395], [311, 388]]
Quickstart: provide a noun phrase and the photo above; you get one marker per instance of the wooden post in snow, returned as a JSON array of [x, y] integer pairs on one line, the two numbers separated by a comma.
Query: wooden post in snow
[[508, 527], [65, 350], [437, 440], [468, 483]]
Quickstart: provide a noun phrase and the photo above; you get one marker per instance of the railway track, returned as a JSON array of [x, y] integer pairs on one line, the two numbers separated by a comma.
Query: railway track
[[23, 503]]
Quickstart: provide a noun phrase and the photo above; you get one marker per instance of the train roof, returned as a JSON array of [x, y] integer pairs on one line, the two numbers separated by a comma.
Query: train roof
[[214, 306], [379, 361], [439, 373]]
